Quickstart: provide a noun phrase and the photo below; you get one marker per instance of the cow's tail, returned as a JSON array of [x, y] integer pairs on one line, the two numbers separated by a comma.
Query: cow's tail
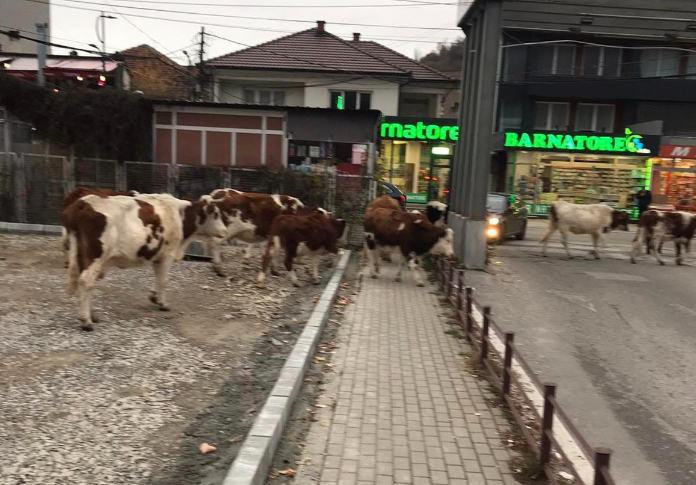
[[553, 214], [73, 267]]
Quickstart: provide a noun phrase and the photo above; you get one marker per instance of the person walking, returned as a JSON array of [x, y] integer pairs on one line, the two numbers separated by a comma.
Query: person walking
[[643, 199]]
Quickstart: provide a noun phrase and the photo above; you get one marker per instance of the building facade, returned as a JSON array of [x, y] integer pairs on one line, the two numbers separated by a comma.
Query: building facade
[[23, 16]]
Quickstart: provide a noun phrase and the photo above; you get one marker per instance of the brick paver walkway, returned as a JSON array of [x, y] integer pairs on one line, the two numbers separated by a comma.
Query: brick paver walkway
[[406, 410]]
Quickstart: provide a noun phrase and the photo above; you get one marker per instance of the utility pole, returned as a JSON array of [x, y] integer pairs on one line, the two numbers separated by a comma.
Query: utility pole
[[102, 37], [201, 66], [42, 30]]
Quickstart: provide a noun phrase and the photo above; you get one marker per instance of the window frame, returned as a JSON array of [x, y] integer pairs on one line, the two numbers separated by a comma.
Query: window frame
[[549, 115], [257, 95], [501, 126], [595, 113], [600, 68], [659, 61], [554, 60], [358, 98]]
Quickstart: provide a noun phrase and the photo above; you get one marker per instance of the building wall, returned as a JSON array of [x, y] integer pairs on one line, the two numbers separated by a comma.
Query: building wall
[[218, 136], [22, 15]]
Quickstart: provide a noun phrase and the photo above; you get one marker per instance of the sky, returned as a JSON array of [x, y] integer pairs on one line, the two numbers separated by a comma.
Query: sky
[[73, 23]]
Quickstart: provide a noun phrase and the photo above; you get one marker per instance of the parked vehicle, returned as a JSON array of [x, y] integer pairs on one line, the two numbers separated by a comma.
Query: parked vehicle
[[507, 217], [392, 191]]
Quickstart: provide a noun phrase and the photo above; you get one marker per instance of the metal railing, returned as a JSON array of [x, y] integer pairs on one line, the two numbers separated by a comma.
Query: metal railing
[[539, 434]]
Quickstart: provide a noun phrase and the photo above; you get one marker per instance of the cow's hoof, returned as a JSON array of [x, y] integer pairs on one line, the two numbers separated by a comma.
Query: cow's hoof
[[66, 265], [374, 276], [219, 271], [316, 282], [275, 272], [153, 298], [662, 263], [398, 279], [164, 308], [421, 285], [296, 285], [679, 263], [261, 285], [86, 326], [633, 261], [95, 318]]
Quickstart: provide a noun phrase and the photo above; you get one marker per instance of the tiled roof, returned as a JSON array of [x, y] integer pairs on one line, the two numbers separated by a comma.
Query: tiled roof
[[155, 74], [319, 51]]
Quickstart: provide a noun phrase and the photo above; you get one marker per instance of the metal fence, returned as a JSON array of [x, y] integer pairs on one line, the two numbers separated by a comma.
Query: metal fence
[[33, 187], [536, 427]]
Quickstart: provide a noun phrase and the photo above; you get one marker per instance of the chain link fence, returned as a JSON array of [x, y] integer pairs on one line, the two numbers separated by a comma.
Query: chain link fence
[[33, 187]]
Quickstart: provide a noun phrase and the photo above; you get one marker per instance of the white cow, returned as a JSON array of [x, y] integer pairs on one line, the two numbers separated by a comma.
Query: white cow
[[123, 232], [592, 219]]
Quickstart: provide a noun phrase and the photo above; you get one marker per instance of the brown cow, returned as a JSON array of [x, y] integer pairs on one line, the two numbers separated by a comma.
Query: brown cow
[[124, 232], [408, 236], [302, 235], [383, 202], [655, 226], [249, 218], [77, 194]]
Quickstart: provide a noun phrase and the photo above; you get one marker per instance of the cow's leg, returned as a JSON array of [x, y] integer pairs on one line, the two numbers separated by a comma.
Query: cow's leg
[[85, 285], [400, 260], [290, 254], [314, 263], [638, 241], [415, 269], [158, 296], [545, 240], [269, 257], [248, 250], [655, 252], [215, 248], [372, 254], [678, 243], [65, 246], [564, 240], [596, 238]]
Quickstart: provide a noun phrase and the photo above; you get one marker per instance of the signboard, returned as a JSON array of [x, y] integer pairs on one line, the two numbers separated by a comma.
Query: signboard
[[673, 151], [417, 198], [627, 143], [419, 129]]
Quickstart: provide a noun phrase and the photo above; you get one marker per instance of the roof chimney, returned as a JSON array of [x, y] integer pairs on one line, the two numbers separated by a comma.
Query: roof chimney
[[356, 36], [320, 26]]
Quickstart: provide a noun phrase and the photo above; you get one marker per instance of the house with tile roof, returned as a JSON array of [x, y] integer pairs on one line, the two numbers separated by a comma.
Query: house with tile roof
[[316, 69], [156, 75]]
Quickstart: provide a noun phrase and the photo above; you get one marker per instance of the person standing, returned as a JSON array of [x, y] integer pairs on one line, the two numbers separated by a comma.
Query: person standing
[[643, 199]]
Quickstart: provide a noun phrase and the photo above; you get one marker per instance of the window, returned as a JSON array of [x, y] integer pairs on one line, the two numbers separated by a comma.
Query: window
[[691, 66], [595, 117], [552, 116], [454, 108], [557, 60], [659, 62], [514, 63], [266, 97], [601, 61], [510, 115], [351, 100]]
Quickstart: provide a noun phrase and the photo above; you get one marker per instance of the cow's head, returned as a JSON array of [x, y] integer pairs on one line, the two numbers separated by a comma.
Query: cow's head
[[209, 217], [620, 220], [341, 227], [444, 243]]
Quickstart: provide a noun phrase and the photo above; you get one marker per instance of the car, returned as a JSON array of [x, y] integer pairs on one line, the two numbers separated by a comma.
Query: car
[[507, 218], [393, 191]]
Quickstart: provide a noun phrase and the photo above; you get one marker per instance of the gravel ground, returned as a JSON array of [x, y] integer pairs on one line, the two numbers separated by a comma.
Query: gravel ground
[[131, 402]]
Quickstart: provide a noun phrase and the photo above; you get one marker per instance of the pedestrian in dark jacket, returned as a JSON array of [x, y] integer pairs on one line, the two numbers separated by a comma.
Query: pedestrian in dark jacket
[[644, 199]]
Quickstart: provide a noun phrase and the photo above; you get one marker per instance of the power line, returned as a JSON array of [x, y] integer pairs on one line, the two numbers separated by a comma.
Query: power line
[[416, 3], [125, 17], [233, 16]]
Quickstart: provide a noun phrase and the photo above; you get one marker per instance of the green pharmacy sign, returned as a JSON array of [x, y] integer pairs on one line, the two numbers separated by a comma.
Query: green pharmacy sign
[[419, 129], [627, 143]]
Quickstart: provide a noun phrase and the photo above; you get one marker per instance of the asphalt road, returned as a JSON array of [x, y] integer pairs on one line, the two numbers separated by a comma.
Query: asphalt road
[[618, 339]]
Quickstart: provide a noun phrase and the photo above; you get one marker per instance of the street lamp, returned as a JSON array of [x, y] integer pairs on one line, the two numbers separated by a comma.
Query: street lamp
[[102, 38]]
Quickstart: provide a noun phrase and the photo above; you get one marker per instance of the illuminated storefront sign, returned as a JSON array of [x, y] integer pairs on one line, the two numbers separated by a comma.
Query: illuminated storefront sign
[[419, 129], [627, 144]]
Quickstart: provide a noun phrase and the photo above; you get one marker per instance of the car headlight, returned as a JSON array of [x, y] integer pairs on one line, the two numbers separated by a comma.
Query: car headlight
[[492, 232], [493, 221]]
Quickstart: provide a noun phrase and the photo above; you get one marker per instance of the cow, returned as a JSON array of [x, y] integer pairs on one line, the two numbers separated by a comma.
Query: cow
[[312, 235], [437, 213], [408, 236], [383, 202], [76, 194], [250, 216], [592, 219], [655, 226], [123, 232]]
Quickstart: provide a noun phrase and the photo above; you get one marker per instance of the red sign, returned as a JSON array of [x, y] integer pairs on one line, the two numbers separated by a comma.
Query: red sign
[[674, 151]]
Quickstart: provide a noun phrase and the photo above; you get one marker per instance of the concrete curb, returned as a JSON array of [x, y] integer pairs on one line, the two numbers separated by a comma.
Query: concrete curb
[[21, 228], [253, 462]]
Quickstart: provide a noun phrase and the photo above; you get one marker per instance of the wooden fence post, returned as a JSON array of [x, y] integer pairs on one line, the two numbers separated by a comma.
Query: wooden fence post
[[507, 365], [547, 424], [484, 334], [602, 459], [460, 288], [469, 309]]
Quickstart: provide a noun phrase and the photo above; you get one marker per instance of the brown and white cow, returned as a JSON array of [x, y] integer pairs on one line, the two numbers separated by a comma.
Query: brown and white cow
[[383, 202], [407, 235], [658, 227], [313, 235], [123, 232], [76, 194], [249, 218]]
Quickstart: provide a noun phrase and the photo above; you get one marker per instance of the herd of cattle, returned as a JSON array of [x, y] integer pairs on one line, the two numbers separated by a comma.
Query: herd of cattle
[[104, 229], [654, 228]]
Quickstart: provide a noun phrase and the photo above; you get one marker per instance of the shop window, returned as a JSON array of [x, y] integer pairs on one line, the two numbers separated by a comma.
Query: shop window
[[557, 60], [510, 115], [659, 62], [595, 117], [601, 61], [551, 116], [266, 97], [514, 63], [351, 100]]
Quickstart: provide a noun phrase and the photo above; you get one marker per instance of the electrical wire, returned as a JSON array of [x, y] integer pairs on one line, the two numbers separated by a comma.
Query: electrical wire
[[416, 3], [267, 19]]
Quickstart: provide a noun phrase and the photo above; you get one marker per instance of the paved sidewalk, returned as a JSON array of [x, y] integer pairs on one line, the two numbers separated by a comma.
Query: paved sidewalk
[[406, 410]]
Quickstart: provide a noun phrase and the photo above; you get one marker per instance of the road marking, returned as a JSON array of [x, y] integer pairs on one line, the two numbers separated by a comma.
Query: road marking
[[684, 309], [615, 276], [577, 299]]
